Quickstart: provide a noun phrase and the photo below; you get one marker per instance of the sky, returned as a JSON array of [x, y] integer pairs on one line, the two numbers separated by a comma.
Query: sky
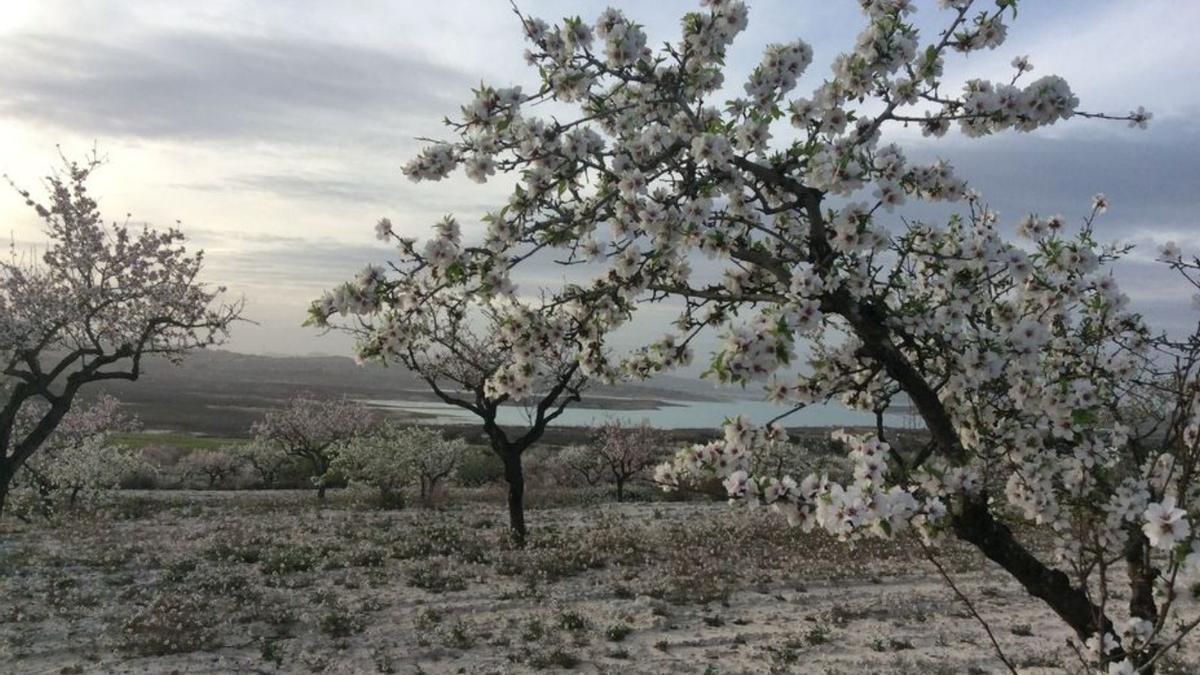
[[275, 132]]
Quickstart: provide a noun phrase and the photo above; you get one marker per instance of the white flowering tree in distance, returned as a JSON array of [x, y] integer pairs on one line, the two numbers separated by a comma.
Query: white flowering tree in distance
[[90, 308], [312, 430], [393, 457], [626, 450], [1022, 357], [476, 352]]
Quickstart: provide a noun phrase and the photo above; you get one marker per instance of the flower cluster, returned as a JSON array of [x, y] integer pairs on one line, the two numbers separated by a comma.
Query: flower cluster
[[864, 507]]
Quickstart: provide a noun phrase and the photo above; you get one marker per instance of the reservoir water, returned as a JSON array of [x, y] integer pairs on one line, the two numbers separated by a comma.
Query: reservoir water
[[675, 415]]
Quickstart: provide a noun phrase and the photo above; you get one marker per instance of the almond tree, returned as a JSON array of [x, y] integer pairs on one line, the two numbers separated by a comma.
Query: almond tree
[[266, 460], [393, 457], [625, 451], [578, 464], [98, 301], [434, 458], [1013, 353], [216, 466], [477, 357], [313, 429], [81, 455]]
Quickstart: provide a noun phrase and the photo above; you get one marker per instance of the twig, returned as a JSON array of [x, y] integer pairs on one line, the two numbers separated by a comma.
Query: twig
[[970, 606]]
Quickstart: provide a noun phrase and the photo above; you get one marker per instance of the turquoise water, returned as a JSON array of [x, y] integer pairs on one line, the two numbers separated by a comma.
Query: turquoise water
[[680, 415]]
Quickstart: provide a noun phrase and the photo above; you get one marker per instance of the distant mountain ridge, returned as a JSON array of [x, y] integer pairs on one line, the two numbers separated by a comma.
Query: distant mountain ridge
[[223, 393]]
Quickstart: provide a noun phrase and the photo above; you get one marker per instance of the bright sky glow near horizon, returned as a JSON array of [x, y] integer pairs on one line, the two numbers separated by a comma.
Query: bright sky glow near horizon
[[275, 131]]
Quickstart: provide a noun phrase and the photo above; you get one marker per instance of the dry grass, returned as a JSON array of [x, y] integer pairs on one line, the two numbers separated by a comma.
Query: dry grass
[[259, 582]]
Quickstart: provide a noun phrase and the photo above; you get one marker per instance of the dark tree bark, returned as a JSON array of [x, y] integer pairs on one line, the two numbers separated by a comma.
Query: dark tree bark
[[5, 481], [515, 476], [391, 499], [976, 525]]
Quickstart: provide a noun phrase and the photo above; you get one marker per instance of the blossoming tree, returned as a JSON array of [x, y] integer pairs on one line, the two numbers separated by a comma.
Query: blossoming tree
[[625, 451], [312, 430], [265, 460], [1019, 357], [81, 454], [97, 302], [577, 465], [475, 352], [394, 457], [214, 466]]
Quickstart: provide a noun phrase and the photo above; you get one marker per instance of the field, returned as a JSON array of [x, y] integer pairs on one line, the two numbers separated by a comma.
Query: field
[[259, 582]]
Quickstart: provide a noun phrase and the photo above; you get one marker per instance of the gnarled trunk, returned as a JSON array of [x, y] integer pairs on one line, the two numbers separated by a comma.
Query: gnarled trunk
[[515, 477], [976, 525], [7, 472]]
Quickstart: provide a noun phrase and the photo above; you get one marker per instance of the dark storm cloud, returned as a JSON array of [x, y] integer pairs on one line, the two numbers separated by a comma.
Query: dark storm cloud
[[205, 86]]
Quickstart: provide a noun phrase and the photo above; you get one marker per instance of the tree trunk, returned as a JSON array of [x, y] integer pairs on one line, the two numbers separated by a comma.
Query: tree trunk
[[620, 489], [1141, 586], [975, 524], [391, 499], [319, 467], [7, 471], [515, 477]]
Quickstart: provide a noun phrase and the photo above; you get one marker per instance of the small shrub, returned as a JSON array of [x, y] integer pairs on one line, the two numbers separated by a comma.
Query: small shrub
[[341, 622], [167, 625], [554, 658], [435, 578], [817, 635], [572, 621], [289, 560], [458, 635], [617, 632], [534, 630]]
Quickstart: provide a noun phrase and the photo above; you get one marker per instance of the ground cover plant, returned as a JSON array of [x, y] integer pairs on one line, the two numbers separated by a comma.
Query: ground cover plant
[[268, 581]]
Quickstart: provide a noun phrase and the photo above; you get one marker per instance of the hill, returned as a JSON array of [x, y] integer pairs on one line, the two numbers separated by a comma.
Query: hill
[[219, 392]]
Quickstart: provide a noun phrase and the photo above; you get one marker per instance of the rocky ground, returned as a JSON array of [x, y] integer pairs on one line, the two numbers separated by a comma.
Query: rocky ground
[[225, 582]]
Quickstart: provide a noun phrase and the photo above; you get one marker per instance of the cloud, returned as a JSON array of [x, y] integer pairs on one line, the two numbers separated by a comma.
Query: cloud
[[316, 187], [359, 187], [192, 85]]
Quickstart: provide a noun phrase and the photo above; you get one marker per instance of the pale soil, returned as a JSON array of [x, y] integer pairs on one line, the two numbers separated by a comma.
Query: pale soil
[[226, 583]]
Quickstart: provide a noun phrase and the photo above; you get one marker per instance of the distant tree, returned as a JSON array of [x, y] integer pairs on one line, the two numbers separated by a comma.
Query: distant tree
[[88, 310], [313, 429], [472, 356], [624, 452], [434, 459], [216, 466], [578, 465], [265, 460], [393, 457]]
